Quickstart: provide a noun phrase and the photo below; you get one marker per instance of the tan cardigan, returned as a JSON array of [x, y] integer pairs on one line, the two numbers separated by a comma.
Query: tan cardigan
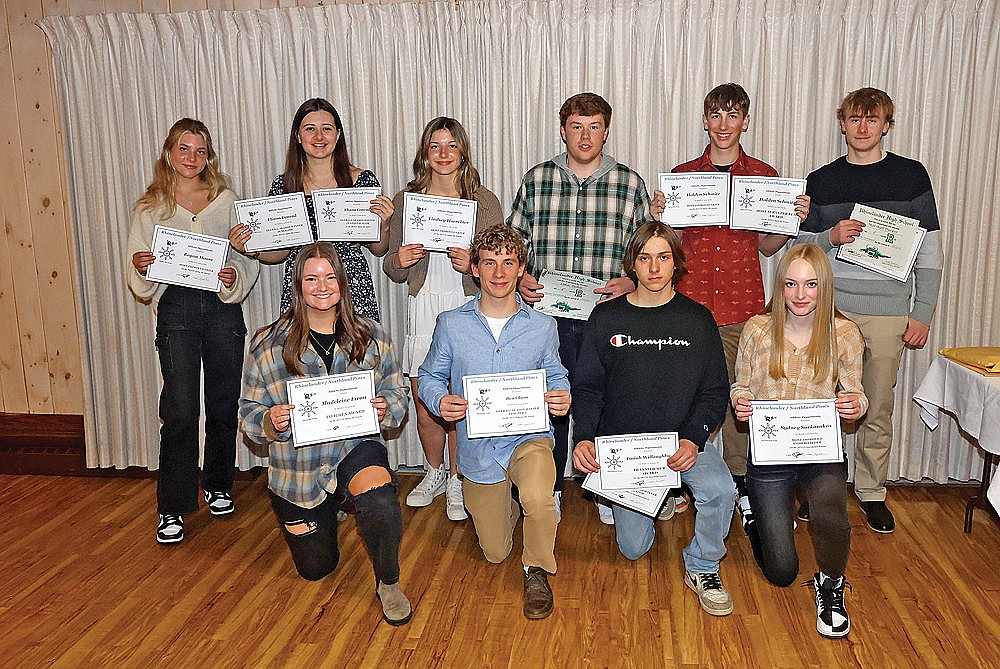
[[488, 213]]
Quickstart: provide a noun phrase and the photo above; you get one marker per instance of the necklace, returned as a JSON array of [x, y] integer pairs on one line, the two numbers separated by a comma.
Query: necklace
[[318, 186], [314, 336]]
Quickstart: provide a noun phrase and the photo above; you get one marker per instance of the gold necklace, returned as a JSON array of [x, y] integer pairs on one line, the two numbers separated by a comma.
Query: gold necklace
[[332, 183], [328, 351]]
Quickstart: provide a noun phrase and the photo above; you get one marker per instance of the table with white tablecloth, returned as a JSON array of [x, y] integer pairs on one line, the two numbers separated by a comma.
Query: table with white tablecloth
[[974, 400]]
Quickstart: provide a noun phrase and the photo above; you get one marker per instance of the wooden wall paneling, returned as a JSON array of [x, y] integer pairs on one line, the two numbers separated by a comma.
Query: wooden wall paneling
[[13, 394], [155, 6], [44, 172], [187, 5], [119, 6], [28, 68], [86, 7]]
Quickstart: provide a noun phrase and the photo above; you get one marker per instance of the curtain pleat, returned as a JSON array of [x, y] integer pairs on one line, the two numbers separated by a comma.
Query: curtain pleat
[[503, 69]]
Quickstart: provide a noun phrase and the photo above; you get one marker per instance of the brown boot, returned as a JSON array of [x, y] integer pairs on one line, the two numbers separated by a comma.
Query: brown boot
[[537, 594]]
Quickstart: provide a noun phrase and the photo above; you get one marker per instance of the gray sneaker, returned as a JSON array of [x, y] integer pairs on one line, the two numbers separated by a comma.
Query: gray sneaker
[[396, 609], [711, 595]]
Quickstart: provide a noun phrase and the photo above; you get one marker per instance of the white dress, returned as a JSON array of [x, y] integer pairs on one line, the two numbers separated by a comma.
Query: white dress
[[442, 291]]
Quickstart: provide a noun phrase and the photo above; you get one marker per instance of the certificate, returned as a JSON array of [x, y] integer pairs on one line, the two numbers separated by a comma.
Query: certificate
[[187, 259], [438, 222], [766, 204], [277, 222], [795, 432], [646, 501], [888, 244], [501, 404], [695, 198], [567, 294], [344, 215], [633, 461], [333, 407]]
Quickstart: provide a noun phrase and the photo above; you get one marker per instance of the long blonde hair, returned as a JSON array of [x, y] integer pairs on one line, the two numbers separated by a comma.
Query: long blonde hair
[[353, 332], [466, 176], [822, 348], [160, 192]]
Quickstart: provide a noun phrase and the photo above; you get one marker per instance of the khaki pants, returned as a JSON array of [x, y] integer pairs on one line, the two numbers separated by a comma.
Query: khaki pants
[[883, 350], [494, 514], [735, 434]]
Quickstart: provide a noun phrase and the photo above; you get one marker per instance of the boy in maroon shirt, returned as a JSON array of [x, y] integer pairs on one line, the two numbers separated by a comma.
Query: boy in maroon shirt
[[723, 264]]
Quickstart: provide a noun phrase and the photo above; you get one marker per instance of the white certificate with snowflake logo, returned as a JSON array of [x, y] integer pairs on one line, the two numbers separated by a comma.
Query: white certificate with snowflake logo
[[646, 501], [635, 461], [888, 244], [277, 222], [766, 204], [438, 222], [187, 258], [344, 214], [333, 407], [695, 198], [502, 404], [788, 432]]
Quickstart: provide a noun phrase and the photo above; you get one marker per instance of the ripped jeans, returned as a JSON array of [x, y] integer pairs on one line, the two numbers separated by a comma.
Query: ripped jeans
[[315, 550]]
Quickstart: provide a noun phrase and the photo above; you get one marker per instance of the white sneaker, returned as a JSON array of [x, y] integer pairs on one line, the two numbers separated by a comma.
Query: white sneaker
[[668, 508], [557, 496], [712, 595], [605, 513], [455, 507], [431, 486]]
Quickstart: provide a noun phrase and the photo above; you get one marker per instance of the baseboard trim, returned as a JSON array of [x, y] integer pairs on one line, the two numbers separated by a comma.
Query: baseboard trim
[[55, 445]]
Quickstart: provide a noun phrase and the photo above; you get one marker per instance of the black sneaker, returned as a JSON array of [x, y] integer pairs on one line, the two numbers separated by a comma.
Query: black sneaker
[[832, 620], [750, 527], [879, 517], [219, 503], [170, 529], [803, 512]]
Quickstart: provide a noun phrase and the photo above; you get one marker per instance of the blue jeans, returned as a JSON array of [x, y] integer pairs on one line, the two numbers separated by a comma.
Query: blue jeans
[[714, 495], [195, 329], [772, 496]]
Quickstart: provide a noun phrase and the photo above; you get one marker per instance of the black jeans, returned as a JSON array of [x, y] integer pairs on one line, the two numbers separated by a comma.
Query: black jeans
[[315, 550], [772, 496], [195, 329], [570, 339]]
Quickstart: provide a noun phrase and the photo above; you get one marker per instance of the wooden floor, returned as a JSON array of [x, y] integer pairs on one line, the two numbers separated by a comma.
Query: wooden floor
[[85, 585]]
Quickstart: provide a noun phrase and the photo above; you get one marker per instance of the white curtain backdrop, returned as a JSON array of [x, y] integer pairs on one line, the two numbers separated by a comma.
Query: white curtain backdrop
[[503, 69]]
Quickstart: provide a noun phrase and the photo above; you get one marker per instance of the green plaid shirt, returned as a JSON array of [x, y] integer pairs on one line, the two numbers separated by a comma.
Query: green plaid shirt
[[579, 226], [306, 475]]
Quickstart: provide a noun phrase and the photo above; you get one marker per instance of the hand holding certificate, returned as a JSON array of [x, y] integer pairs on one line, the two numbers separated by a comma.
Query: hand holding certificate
[[786, 432], [331, 408], [766, 204], [438, 222], [501, 404], [695, 198], [187, 259], [568, 295], [344, 215], [633, 461], [888, 244], [276, 222]]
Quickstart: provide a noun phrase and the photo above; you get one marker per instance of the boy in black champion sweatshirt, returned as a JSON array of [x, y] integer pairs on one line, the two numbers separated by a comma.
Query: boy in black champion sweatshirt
[[652, 361]]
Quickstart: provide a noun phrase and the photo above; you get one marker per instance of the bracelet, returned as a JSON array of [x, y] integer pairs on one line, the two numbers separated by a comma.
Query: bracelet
[[254, 256]]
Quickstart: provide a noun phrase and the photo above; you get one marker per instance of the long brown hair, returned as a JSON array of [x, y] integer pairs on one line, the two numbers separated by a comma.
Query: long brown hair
[[643, 234], [353, 333], [822, 348], [160, 192], [295, 157], [466, 176]]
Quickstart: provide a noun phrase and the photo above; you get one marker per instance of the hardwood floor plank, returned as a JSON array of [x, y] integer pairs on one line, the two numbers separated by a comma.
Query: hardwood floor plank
[[87, 585]]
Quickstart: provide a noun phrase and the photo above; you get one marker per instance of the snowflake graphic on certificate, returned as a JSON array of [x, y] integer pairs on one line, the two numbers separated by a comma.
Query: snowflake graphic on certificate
[[746, 200], [254, 222], [768, 429], [167, 253], [417, 219], [483, 401], [673, 197], [328, 213]]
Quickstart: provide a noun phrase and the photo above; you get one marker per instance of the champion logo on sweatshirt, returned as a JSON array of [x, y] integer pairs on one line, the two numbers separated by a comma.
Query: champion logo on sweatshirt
[[620, 340]]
